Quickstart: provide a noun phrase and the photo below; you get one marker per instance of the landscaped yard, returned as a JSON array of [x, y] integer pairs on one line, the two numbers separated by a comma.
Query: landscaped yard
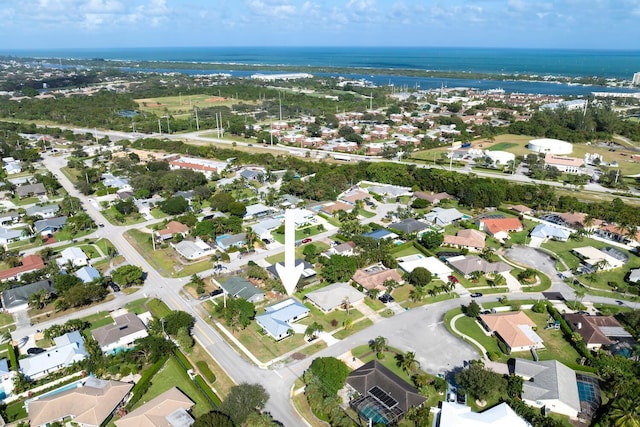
[[321, 246], [265, 348], [301, 233], [113, 216]]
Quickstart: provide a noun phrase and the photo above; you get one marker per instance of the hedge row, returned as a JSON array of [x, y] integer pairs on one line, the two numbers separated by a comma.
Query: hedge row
[[144, 383], [182, 359], [206, 390], [206, 371], [580, 346], [13, 357]]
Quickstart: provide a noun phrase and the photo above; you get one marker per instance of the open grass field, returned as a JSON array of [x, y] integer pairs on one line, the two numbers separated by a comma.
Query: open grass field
[[183, 105]]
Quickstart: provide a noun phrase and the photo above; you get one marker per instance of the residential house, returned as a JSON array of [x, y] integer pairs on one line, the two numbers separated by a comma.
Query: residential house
[[634, 275], [514, 328], [257, 210], [253, 174], [38, 189], [409, 226], [433, 198], [8, 235], [264, 228], [11, 165], [171, 229], [381, 233], [443, 217], [617, 234], [597, 259], [193, 249], [550, 385], [169, 409], [522, 209], [17, 299], [470, 263], [307, 271], [87, 274], [302, 217], [68, 349], [597, 331], [239, 287], [87, 405], [43, 211], [10, 217], [289, 200], [333, 207], [452, 414], [545, 232], [145, 206], [29, 263], [390, 190], [207, 167], [470, 239], [111, 181], [376, 386], [344, 249], [73, 255], [46, 227], [277, 319], [373, 277], [227, 242], [353, 196], [121, 334], [6, 381], [436, 267], [500, 228], [334, 296], [187, 195]]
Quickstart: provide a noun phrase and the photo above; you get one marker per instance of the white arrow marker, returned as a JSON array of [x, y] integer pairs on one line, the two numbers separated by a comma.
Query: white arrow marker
[[289, 273]]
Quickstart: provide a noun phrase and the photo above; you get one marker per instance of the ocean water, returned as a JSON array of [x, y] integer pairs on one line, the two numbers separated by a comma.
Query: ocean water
[[619, 64]]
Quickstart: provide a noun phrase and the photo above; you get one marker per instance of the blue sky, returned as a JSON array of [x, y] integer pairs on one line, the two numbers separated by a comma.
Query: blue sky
[[45, 24]]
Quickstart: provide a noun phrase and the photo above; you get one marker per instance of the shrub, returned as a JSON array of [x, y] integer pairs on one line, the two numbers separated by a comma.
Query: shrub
[[493, 356], [206, 371], [211, 396], [503, 347], [144, 383]]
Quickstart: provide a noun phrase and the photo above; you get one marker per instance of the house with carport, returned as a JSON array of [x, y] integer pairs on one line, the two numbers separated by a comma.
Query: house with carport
[[278, 318]]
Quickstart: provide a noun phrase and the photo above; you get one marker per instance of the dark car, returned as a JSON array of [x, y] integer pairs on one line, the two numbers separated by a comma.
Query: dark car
[[216, 292], [307, 240], [476, 295], [115, 287], [385, 298], [101, 225], [485, 312], [35, 350]]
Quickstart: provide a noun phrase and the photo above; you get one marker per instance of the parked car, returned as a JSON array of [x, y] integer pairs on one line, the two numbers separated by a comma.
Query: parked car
[[114, 287], [453, 279], [485, 312], [204, 297], [385, 298], [35, 350], [476, 295], [307, 240], [101, 225], [216, 292]]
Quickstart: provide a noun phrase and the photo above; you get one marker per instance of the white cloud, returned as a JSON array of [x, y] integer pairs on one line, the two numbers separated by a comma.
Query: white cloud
[[272, 8]]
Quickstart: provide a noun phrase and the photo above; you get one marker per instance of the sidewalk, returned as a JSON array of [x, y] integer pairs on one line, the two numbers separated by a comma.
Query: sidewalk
[[467, 338], [242, 348]]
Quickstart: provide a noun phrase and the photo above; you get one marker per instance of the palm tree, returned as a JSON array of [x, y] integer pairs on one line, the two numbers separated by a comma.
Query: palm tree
[[499, 280], [409, 363], [418, 293], [625, 412], [313, 329], [475, 276], [379, 346], [346, 304], [373, 293], [38, 299]]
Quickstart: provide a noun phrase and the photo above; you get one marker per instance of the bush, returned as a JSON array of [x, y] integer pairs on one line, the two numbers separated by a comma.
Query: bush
[[144, 383], [204, 387], [493, 356], [182, 359], [13, 358], [539, 307], [206, 371], [503, 347]]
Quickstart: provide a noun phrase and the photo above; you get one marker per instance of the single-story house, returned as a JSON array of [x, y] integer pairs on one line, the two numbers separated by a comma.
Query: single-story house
[[264, 228], [500, 228], [121, 334], [49, 226], [597, 259], [452, 414], [289, 200], [68, 349], [333, 296], [12, 167], [29, 263], [73, 255], [345, 249], [549, 384], [333, 207], [277, 319], [109, 180], [378, 387], [409, 226], [27, 190], [169, 409], [522, 209], [226, 241], [44, 211], [87, 274], [634, 275], [470, 263], [597, 331], [443, 217], [373, 277], [616, 233], [187, 195], [87, 405], [10, 217], [193, 249], [8, 235], [470, 239], [16, 299], [433, 198], [173, 228], [515, 329], [544, 232], [257, 210], [302, 217], [253, 174], [381, 233], [436, 267], [239, 287], [307, 271], [389, 190]]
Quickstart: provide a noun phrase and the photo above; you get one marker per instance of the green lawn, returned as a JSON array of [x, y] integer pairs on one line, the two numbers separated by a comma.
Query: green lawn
[[301, 233], [405, 249], [356, 327], [321, 246], [563, 249], [172, 375], [158, 308], [502, 146], [265, 348], [328, 320], [137, 306], [112, 215], [470, 327], [366, 214]]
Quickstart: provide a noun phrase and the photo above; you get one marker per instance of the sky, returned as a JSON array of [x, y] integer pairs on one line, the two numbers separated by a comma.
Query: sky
[[583, 24]]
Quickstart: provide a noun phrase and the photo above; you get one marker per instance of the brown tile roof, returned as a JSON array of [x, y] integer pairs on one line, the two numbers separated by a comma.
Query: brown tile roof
[[521, 209], [590, 327], [174, 227], [507, 326], [469, 238], [154, 413], [335, 207], [29, 263], [375, 280], [431, 197], [355, 196], [89, 405], [496, 225]]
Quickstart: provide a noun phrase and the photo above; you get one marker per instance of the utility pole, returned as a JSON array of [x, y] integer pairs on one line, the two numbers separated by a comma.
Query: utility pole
[[197, 122], [168, 128], [159, 127]]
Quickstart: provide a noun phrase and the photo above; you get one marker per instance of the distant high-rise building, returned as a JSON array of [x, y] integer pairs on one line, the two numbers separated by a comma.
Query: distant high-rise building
[[636, 79]]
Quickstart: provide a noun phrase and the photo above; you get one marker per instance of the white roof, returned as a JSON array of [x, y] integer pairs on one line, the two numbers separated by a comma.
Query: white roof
[[334, 295], [456, 415], [302, 216], [256, 209], [69, 348], [434, 265], [592, 256]]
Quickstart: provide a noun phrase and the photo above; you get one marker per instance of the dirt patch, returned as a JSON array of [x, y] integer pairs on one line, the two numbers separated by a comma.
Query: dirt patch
[[215, 99]]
